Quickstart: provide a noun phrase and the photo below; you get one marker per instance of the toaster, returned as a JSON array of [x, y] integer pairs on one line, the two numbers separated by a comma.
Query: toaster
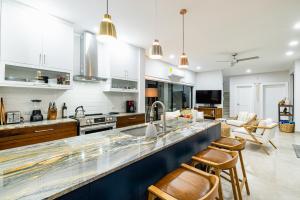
[[13, 117]]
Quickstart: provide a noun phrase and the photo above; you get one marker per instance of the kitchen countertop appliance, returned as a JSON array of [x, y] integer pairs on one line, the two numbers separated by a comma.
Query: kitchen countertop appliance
[[130, 107], [13, 117], [93, 123], [36, 112]]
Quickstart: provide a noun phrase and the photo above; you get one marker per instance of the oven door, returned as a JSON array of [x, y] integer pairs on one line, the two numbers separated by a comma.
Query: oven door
[[96, 128]]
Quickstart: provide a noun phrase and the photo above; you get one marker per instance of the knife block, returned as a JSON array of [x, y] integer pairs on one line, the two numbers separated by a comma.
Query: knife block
[[52, 114]]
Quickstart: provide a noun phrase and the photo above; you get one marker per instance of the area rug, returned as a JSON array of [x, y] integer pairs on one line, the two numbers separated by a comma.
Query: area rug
[[297, 150]]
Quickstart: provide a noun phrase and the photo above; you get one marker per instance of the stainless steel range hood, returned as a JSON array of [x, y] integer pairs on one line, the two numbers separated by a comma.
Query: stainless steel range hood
[[88, 59]]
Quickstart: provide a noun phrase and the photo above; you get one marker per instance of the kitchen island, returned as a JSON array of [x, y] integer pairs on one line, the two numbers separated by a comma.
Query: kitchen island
[[105, 165]]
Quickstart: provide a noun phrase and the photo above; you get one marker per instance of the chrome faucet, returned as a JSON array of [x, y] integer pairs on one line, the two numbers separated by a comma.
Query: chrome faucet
[[164, 114], [79, 108]]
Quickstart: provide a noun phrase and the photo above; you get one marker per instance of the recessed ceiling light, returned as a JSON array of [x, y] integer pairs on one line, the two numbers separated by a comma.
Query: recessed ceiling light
[[198, 67], [289, 53], [297, 26], [96, 29], [171, 56], [248, 71], [293, 43]]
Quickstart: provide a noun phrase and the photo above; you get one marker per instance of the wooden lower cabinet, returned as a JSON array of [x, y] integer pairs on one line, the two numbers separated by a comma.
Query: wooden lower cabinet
[[130, 120], [211, 113], [32, 135]]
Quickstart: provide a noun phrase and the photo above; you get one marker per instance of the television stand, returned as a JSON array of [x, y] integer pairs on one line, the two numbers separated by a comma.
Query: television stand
[[210, 112]]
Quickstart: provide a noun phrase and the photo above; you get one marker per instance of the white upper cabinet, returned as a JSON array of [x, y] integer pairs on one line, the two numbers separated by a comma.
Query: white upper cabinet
[[21, 35], [33, 39], [157, 69], [122, 60], [58, 41]]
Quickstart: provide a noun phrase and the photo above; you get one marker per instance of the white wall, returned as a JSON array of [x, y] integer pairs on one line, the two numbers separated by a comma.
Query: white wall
[[159, 70], [212, 80], [90, 95], [297, 94], [256, 80]]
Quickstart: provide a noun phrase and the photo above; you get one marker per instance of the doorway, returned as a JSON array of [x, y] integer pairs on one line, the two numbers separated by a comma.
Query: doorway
[[244, 98], [272, 93]]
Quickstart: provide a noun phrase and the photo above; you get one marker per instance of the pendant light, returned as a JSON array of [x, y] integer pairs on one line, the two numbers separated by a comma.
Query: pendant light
[[107, 30], [155, 50], [184, 61]]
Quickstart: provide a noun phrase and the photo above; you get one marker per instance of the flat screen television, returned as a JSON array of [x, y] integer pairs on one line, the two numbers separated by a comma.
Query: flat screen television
[[209, 96]]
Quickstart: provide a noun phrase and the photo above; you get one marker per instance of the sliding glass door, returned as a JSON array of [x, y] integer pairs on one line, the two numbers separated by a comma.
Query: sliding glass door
[[174, 96]]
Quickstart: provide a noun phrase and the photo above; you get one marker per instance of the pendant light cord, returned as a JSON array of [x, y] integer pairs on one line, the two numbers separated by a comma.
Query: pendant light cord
[[183, 33], [155, 19], [106, 6]]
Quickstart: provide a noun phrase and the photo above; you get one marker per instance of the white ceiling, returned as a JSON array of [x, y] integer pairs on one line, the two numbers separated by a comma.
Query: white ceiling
[[214, 28]]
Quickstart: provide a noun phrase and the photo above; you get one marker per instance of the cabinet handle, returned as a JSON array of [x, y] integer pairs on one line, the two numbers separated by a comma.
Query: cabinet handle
[[44, 58], [45, 130], [132, 118], [40, 59]]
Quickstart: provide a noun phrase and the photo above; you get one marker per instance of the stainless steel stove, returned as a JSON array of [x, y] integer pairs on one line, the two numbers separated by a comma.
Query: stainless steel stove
[[93, 123]]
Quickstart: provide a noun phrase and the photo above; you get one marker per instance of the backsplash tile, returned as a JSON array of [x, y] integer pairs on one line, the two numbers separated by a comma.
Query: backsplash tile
[[89, 95]]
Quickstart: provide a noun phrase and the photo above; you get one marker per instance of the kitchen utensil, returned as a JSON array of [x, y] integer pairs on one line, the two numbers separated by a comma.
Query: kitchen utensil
[[13, 117], [36, 113], [1, 122], [2, 111]]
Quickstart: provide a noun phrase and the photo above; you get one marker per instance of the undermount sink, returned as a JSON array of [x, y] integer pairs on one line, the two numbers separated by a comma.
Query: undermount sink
[[141, 131]]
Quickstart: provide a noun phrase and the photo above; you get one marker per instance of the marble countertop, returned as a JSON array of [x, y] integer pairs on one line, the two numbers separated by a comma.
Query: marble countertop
[[52, 169], [32, 124]]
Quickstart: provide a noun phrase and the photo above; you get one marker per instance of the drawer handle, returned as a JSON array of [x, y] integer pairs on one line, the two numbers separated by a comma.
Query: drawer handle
[[132, 118], [46, 130]]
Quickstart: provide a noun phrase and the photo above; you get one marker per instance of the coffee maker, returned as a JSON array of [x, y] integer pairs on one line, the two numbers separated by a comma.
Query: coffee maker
[[36, 112], [130, 107]]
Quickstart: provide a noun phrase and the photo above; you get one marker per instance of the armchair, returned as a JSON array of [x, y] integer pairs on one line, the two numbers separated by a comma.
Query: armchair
[[243, 118], [262, 134]]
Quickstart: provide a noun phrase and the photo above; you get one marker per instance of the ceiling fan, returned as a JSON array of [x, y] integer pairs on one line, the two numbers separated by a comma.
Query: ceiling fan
[[235, 60]]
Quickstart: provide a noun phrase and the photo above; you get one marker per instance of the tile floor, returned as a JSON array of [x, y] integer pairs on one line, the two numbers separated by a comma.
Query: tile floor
[[273, 177]]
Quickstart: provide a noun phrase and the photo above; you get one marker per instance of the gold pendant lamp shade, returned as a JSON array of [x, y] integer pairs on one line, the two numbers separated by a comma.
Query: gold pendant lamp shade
[[183, 61], [156, 50], [107, 29]]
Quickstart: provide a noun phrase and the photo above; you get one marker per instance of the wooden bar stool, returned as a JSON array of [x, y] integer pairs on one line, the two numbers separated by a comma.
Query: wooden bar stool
[[238, 145], [185, 183], [220, 160]]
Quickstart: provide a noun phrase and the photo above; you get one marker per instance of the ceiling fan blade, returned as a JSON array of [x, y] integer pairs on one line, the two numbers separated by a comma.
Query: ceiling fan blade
[[250, 58], [223, 61]]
